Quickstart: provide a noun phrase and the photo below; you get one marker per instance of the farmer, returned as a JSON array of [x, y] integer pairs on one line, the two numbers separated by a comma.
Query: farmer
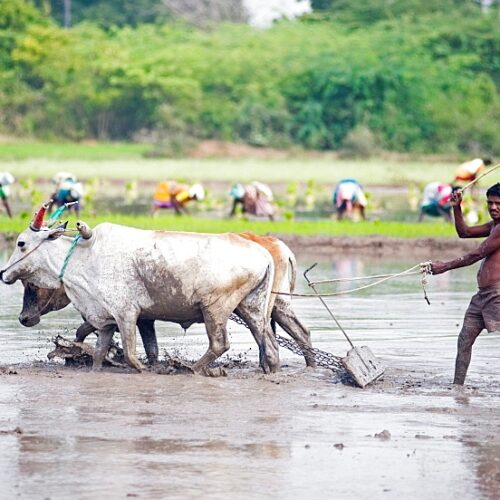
[[255, 199], [349, 198], [470, 170], [436, 201], [484, 308], [67, 189], [170, 194], [6, 179]]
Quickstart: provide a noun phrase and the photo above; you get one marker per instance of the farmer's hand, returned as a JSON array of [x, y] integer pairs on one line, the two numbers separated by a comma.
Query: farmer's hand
[[438, 267], [456, 198]]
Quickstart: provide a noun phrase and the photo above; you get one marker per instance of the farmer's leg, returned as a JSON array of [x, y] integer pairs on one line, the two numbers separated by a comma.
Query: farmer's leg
[[472, 327], [7, 207]]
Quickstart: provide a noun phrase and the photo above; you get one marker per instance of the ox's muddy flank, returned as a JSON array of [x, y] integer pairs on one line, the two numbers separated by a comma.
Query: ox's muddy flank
[[68, 432]]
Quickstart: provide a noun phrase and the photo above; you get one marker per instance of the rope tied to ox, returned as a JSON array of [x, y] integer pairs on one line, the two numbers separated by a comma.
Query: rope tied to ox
[[71, 249], [424, 269]]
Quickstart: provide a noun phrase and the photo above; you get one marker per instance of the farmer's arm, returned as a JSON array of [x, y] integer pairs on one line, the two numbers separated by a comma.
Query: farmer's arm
[[463, 230], [487, 247]]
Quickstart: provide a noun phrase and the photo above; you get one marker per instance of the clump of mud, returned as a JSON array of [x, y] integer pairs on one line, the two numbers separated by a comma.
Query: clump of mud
[[81, 354]]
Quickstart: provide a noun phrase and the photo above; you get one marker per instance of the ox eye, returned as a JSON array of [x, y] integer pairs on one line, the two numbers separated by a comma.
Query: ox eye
[[21, 244]]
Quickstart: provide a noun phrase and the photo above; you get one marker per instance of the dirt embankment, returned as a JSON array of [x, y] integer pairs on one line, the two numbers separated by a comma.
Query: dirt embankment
[[375, 246]]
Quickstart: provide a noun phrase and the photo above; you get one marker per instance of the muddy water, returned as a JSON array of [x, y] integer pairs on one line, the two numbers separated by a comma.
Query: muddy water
[[293, 435]]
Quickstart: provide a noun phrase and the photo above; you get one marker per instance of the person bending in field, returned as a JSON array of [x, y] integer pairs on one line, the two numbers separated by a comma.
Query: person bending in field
[[484, 308], [255, 199], [436, 201], [349, 199], [67, 189], [6, 179], [470, 171], [170, 194]]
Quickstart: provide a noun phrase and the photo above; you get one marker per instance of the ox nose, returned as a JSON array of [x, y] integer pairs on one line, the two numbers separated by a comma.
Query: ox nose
[[1, 274], [26, 320]]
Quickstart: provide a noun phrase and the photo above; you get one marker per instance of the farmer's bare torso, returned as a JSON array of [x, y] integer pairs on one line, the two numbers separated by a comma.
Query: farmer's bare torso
[[489, 272]]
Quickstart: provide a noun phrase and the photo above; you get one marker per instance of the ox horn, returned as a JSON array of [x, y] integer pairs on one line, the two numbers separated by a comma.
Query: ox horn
[[84, 230], [37, 221]]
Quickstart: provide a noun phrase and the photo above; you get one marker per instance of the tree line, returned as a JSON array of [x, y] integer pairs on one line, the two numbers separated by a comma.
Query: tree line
[[414, 76]]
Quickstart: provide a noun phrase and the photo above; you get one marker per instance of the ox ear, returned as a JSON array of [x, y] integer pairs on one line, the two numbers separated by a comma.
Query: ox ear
[[58, 231]]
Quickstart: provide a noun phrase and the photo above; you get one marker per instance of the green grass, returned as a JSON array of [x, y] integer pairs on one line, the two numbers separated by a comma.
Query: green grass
[[305, 228], [63, 151], [321, 170]]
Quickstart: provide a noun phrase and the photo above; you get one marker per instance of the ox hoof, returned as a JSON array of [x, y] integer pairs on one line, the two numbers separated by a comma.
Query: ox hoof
[[136, 365], [212, 372]]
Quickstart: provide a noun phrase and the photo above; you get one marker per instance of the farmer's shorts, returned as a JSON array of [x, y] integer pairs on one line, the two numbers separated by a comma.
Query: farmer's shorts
[[484, 310], [3, 196]]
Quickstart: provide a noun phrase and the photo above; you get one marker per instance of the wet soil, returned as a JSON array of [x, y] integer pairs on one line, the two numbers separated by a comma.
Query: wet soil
[[73, 433]]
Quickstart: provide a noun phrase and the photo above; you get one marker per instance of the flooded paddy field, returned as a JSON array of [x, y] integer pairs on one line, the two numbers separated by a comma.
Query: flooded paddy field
[[72, 433]]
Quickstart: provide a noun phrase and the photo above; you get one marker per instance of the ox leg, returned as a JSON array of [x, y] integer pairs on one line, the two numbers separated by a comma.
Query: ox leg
[[284, 315], [126, 326], [218, 344], [83, 331], [263, 335], [102, 346], [148, 335]]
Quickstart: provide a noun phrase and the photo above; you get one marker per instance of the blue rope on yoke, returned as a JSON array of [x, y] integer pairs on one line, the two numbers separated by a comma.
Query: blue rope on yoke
[[68, 256]]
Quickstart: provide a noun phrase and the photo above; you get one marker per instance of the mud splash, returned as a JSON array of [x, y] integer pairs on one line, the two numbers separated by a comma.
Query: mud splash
[[71, 433]]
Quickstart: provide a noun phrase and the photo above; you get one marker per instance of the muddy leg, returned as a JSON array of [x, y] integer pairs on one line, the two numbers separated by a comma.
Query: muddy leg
[[102, 346], [286, 318], [126, 326], [263, 335], [218, 344], [83, 331], [468, 335], [148, 335]]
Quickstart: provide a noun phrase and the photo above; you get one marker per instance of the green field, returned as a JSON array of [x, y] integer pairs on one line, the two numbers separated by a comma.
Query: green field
[[108, 167], [305, 228]]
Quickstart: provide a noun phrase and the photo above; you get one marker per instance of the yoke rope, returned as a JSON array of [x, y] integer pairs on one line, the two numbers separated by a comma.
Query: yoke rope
[[76, 239]]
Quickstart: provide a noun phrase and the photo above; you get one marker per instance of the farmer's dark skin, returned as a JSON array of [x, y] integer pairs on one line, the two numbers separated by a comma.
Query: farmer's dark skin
[[489, 273]]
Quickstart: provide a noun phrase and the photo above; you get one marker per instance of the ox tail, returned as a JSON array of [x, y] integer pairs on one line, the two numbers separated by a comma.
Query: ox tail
[[273, 325], [270, 297], [292, 272]]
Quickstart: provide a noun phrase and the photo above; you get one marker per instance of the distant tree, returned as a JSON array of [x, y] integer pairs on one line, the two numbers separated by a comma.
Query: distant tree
[[321, 4], [201, 12], [105, 13]]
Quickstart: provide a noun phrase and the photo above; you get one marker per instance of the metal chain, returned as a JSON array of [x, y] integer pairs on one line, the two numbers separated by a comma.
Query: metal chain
[[322, 358]]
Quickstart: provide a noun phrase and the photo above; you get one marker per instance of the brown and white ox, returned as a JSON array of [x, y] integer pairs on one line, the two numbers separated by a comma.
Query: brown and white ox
[[117, 274], [40, 301]]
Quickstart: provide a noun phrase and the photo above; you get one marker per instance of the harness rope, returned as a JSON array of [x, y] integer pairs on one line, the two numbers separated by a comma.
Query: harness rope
[[23, 257], [425, 269], [75, 241]]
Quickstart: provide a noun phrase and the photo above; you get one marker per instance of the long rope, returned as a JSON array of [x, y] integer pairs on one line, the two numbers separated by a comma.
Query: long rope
[[360, 278], [480, 177], [424, 270]]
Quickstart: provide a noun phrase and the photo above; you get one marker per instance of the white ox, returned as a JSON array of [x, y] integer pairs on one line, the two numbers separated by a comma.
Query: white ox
[[116, 274], [40, 301]]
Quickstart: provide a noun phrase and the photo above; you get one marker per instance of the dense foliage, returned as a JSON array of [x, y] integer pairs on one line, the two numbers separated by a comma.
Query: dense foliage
[[408, 79]]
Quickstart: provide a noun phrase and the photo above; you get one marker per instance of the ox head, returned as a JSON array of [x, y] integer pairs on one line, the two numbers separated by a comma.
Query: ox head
[[40, 301], [27, 259]]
